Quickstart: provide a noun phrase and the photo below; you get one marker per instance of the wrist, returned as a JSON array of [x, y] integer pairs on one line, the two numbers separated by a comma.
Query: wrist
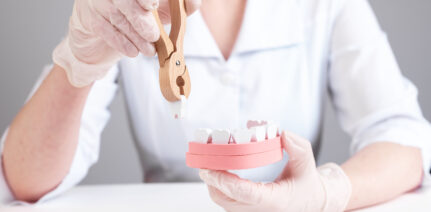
[[337, 187], [79, 73], [59, 83]]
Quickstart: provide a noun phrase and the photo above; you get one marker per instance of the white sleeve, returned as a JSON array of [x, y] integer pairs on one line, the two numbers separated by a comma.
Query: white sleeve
[[94, 119], [372, 99]]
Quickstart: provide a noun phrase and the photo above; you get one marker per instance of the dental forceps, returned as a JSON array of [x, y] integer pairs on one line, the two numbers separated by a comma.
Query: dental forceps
[[174, 77]]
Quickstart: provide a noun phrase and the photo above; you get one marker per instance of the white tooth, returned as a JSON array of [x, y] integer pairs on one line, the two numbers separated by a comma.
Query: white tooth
[[203, 135], [258, 133], [220, 136], [241, 136], [271, 131], [178, 108], [255, 123]]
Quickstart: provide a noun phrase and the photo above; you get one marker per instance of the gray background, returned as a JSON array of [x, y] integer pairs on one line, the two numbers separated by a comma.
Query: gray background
[[29, 30]]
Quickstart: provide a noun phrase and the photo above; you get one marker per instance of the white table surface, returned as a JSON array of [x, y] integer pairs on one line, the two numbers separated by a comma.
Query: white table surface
[[176, 197]]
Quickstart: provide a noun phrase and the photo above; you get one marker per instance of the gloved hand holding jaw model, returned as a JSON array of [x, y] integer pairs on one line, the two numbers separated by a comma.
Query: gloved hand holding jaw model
[[300, 187], [101, 32]]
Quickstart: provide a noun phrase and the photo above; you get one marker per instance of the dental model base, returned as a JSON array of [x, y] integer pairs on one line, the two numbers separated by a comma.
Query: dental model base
[[256, 146], [174, 77]]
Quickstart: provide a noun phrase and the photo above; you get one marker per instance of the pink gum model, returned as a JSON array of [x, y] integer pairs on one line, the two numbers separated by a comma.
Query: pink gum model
[[234, 156]]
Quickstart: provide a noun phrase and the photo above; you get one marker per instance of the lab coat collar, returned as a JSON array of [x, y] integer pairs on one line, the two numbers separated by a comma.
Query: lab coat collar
[[198, 40], [267, 24]]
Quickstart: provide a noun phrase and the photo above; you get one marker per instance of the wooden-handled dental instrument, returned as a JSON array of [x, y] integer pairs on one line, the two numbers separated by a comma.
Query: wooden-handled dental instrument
[[173, 74]]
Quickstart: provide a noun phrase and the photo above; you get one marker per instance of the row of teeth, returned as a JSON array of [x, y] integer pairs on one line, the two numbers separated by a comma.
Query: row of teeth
[[256, 131]]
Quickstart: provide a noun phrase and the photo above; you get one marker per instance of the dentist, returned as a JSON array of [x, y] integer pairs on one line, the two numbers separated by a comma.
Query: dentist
[[271, 60]]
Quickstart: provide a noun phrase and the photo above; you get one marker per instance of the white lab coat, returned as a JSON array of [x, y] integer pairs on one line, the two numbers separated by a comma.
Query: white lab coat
[[287, 55]]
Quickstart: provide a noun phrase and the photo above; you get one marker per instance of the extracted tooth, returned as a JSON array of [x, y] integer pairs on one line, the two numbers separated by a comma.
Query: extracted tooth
[[203, 135], [220, 136], [242, 136], [271, 131], [258, 133], [178, 108]]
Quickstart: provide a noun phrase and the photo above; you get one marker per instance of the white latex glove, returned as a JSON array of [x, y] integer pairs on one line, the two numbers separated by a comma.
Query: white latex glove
[[101, 32], [300, 187]]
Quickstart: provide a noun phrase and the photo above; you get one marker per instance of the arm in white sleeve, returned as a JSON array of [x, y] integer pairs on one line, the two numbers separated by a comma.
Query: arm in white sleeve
[[94, 119], [373, 101]]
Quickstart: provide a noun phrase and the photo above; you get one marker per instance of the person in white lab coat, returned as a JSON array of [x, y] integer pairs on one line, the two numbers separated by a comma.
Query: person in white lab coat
[[270, 60]]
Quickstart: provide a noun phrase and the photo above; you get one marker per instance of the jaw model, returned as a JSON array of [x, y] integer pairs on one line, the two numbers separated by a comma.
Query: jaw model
[[219, 149]]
